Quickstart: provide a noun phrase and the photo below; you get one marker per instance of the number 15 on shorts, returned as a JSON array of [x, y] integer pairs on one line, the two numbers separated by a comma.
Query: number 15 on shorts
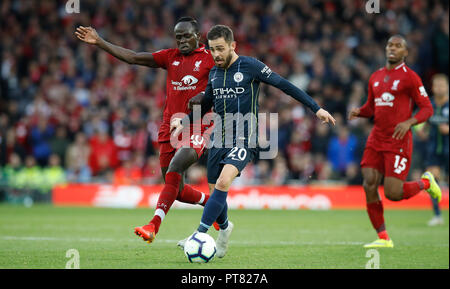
[[400, 164]]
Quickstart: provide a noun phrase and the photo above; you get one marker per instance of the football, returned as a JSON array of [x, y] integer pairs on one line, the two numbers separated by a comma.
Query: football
[[200, 248]]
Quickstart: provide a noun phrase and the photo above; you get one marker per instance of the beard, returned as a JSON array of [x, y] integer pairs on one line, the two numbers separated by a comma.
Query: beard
[[227, 61]]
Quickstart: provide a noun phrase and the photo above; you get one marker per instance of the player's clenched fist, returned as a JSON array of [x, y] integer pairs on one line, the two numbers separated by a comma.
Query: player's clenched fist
[[87, 34], [353, 113], [196, 100]]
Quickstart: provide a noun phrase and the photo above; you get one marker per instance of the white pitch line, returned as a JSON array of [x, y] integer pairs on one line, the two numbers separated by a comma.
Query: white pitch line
[[57, 239], [174, 242]]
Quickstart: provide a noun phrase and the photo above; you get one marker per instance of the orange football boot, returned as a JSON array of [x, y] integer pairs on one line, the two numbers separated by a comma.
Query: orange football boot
[[147, 232]]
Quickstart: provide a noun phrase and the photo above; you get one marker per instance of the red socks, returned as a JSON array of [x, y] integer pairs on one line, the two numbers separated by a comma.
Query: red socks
[[166, 198], [410, 189], [192, 196], [375, 211], [170, 193]]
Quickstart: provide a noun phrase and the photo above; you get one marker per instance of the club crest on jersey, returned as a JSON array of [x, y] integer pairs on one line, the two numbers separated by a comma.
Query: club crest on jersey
[[395, 85], [238, 77], [197, 65]]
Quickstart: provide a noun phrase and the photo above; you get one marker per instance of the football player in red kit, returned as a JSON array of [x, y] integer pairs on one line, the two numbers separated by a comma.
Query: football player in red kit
[[188, 68], [392, 92]]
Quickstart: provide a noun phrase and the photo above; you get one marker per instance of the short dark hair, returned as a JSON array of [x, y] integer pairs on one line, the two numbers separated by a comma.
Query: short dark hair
[[402, 38], [191, 20], [218, 31]]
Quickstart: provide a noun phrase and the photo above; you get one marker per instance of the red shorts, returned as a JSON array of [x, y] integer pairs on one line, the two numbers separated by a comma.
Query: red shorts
[[196, 141], [390, 164]]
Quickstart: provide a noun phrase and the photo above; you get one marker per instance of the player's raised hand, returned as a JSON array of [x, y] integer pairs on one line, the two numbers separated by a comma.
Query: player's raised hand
[[325, 116], [176, 126], [353, 113], [87, 34]]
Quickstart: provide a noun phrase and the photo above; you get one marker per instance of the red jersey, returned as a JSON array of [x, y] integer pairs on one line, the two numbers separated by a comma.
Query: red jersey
[[187, 75], [391, 98]]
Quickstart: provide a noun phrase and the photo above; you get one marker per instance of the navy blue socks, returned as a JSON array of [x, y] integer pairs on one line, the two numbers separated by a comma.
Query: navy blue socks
[[215, 209]]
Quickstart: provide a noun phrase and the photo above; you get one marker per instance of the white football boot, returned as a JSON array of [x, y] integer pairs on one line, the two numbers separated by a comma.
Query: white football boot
[[222, 240], [181, 243]]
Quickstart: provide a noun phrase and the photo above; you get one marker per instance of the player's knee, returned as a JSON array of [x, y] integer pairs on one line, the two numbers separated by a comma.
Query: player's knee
[[223, 183], [393, 197], [176, 168], [183, 159], [393, 194], [370, 185]]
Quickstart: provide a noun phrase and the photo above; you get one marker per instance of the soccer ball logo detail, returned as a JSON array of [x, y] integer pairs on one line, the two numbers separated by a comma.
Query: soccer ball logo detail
[[200, 248]]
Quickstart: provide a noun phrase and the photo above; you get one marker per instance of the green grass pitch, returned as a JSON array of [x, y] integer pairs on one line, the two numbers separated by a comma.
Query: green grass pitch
[[40, 236]]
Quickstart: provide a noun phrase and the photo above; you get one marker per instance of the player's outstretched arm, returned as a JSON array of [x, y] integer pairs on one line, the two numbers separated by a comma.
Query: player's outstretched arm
[[302, 97], [90, 36]]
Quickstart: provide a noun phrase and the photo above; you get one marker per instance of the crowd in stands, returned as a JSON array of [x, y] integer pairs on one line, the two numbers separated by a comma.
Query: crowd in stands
[[70, 112]]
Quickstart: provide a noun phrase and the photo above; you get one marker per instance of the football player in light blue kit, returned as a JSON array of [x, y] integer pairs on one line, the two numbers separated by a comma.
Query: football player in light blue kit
[[233, 89]]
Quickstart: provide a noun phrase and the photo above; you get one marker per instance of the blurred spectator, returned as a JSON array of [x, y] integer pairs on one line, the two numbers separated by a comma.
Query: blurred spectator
[[353, 174], [29, 178], [262, 173], [280, 172], [151, 173], [103, 153], [8, 174], [197, 175], [341, 149], [77, 158], [59, 144], [40, 140], [129, 173], [54, 174]]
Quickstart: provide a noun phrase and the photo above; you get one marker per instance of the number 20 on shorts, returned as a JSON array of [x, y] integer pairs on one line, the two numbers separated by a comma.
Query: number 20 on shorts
[[240, 153]]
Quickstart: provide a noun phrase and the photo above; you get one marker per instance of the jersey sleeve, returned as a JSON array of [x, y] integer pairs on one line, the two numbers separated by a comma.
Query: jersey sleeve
[[205, 105], [420, 97], [367, 110], [161, 57], [264, 74]]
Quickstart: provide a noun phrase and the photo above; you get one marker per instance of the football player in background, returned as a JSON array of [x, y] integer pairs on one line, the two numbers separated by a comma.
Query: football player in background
[[392, 92]]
